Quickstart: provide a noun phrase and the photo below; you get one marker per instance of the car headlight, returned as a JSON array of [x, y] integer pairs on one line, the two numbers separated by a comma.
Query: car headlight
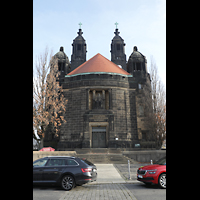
[[152, 171]]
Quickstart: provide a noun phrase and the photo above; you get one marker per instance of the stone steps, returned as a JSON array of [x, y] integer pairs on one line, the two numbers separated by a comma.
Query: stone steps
[[98, 151], [104, 158], [103, 155]]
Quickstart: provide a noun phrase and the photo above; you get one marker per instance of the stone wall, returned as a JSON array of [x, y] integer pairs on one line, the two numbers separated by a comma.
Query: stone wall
[[140, 156], [145, 156], [72, 130], [41, 154]]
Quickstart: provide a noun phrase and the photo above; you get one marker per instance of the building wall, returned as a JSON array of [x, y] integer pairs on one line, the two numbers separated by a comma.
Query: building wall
[[121, 110], [118, 115], [72, 130]]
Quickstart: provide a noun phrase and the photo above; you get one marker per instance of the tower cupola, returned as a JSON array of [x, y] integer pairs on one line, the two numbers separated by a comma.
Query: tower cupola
[[63, 62], [118, 55], [79, 51], [137, 62]]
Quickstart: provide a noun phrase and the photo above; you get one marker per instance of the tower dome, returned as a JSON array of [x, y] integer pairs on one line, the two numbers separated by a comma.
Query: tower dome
[[136, 56], [63, 62], [117, 37], [61, 56], [136, 62]]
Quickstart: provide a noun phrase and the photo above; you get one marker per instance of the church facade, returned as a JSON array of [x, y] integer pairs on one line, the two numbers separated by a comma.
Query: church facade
[[106, 98]]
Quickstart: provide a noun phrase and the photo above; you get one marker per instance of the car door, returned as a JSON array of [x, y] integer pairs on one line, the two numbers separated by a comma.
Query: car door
[[53, 169], [72, 166], [38, 167]]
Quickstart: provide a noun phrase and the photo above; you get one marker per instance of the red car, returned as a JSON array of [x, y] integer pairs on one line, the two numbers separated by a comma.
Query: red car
[[155, 173]]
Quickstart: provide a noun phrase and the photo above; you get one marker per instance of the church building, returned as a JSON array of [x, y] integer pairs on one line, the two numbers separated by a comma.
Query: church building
[[106, 98]]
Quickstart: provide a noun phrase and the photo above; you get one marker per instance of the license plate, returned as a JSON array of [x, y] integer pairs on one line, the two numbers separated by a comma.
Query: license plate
[[140, 176]]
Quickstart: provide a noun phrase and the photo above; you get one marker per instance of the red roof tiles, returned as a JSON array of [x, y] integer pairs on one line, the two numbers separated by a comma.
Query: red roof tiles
[[98, 63]]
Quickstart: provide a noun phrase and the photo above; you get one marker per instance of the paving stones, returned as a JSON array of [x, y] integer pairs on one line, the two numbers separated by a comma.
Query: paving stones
[[99, 192]]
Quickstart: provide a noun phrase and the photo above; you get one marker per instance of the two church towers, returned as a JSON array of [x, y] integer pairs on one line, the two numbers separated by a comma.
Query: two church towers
[[79, 50]]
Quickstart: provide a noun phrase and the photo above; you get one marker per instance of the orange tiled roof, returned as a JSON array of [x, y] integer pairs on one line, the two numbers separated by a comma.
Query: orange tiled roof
[[98, 63]]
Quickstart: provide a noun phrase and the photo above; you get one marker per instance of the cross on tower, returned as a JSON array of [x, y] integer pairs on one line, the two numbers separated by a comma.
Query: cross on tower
[[116, 24], [80, 24]]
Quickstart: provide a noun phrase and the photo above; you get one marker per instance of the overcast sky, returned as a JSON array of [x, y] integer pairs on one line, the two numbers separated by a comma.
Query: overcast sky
[[142, 23]]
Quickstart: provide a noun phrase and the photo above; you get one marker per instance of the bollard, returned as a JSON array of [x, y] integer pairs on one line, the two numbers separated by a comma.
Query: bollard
[[129, 170], [151, 162]]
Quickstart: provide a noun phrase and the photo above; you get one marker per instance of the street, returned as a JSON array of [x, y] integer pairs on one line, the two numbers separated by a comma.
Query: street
[[146, 192], [111, 191], [111, 184]]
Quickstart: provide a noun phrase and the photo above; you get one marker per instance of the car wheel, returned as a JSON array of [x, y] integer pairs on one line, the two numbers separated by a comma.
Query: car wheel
[[162, 181], [67, 182]]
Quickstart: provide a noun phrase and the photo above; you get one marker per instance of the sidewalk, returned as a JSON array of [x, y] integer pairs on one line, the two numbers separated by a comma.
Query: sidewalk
[[116, 173], [107, 173]]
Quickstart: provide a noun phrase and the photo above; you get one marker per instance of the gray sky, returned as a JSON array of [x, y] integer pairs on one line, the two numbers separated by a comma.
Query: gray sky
[[142, 23]]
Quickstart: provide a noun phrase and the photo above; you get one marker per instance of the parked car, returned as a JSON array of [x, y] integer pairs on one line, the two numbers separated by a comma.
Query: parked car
[[65, 171], [155, 173]]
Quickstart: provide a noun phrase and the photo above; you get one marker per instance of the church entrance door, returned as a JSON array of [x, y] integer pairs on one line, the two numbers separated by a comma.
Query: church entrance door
[[98, 137]]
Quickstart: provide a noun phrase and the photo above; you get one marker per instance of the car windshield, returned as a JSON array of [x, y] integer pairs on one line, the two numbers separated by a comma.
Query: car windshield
[[162, 161], [86, 161]]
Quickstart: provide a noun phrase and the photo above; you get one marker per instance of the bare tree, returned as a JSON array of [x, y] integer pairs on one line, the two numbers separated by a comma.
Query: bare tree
[[152, 99], [159, 103], [48, 101]]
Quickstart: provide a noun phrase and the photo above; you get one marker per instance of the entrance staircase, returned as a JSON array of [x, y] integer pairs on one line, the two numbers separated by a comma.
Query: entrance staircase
[[104, 156]]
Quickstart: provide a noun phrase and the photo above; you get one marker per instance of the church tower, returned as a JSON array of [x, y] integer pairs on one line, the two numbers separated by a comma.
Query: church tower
[[79, 51], [118, 55], [63, 63], [137, 63]]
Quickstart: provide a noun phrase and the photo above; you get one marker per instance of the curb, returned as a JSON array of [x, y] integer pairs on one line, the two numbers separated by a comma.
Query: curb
[[112, 182]]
